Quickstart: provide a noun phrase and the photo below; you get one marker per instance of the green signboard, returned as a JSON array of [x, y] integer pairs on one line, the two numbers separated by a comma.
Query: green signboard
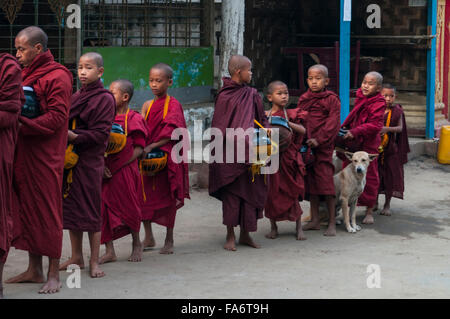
[[191, 66]]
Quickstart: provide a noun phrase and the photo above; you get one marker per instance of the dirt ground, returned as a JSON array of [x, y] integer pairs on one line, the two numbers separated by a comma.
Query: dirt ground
[[411, 248]]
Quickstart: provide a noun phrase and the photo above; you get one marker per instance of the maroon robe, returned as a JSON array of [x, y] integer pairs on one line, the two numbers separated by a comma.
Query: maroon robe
[[122, 193], [165, 192], [395, 155], [93, 107], [243, 200], [322, 124], [365, 122], [287, 185], [39, 163], [11, 101]]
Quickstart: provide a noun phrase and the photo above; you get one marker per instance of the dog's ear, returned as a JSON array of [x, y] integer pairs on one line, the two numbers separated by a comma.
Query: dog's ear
[[372, 157], [349, 155]]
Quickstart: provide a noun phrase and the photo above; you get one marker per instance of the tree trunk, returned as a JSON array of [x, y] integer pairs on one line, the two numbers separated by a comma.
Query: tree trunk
[[232, 35]]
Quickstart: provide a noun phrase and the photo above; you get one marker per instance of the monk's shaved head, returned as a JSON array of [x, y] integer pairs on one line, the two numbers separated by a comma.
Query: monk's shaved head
[[389, 87], [125, 86], [94, 56], [168, 71], [237, 62], [377, 76], [320, 68], [272, 85], [34, 35]]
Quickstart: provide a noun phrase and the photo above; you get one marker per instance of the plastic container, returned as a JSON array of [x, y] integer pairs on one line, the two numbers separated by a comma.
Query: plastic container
[[443, 154]]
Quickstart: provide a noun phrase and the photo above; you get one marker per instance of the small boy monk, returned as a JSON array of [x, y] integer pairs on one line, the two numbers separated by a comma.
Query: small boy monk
[[322, 125], [395, 149], [164, 192], [93, 109], [364, 124], [122, 187], [287, 185], [237, 106]]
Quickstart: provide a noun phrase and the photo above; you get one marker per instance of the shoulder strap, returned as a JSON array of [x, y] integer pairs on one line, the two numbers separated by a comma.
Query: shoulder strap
[[166, 107], [126, 122], [385, 138]]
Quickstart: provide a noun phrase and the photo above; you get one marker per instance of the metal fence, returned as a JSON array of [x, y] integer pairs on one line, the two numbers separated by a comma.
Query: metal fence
[[143, 23], [170, 23]]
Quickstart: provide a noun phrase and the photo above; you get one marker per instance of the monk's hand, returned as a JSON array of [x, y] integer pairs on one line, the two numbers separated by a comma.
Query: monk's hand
[[71, 136], [147, 150], [383, 130], [312, 142], [269, 132], [107, 173], [349, 136]]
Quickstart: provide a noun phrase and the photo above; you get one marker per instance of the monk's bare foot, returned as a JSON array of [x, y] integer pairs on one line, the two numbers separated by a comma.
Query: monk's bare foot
[[52, 286], [299, 231], [331, 231], [27, 276], [386, 212], [72, 261], [273, 234], [148, 243], [368, 220], [95, 271], [108, 257], [312, 226], [300, 235], [167, 249], [230, 243], [136, 253], [245, 239]]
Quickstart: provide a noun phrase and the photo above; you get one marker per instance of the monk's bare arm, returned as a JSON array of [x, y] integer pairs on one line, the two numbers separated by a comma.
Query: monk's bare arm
[[145, 108], [394, 129], [297, 128], [137, 152], [158, 144]]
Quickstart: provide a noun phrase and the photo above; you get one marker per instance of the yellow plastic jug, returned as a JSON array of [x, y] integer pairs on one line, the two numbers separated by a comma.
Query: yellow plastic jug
[[443, 155]]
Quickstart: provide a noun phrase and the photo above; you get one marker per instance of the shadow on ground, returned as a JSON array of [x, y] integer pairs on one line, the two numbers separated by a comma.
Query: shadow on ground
[[403, 225]]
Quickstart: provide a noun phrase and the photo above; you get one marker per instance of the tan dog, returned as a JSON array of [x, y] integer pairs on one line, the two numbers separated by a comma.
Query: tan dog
[[349, 184]]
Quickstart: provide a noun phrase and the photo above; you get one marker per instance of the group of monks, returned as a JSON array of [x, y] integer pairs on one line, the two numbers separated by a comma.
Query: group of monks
[[108, 197], [43, 190], [376, 125]]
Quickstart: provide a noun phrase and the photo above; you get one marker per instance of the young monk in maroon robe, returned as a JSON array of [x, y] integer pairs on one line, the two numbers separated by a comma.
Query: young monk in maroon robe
[[286, 186], [39, 160], [395, 146], [237, 106], [11, 101], [122, 187], [322, 125], [93, 109], [364, 123], [164, 192]]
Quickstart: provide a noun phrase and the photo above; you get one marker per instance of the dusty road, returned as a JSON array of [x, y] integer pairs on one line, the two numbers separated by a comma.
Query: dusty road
[[412, 249]]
